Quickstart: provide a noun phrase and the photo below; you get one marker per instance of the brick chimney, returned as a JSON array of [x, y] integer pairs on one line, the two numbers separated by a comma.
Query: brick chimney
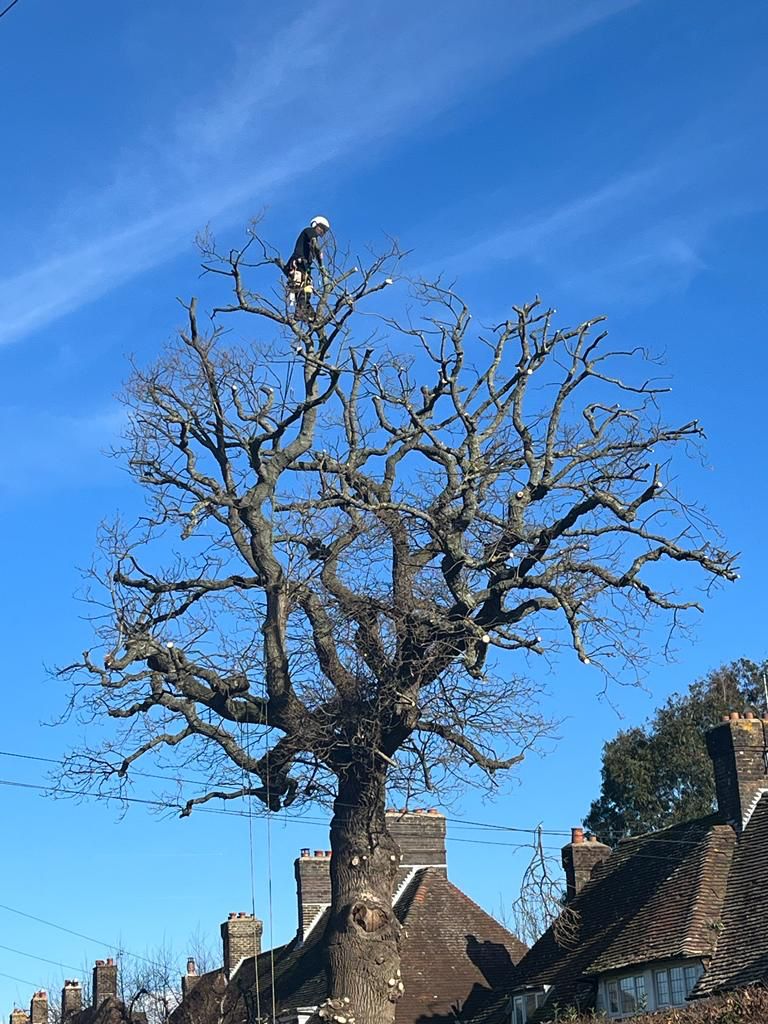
[[241, 939], [38, 1008], [580, 858], [738, 747], [313, 887], [420, 834], [71, 999], [104, 981], [190, 979], [19, 1016]]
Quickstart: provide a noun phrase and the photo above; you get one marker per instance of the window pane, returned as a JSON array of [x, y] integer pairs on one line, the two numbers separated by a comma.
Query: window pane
[[530, 1004], [628, 999], [677, 982], [662, 988], [640, 991], [613, 997], [692, 975], [518, 1015]]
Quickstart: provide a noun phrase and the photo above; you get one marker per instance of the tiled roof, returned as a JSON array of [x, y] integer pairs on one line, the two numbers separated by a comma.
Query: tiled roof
[[452, 954], [741, 956], [656, 896], [681, 908], [451, 951], [110, 1011]]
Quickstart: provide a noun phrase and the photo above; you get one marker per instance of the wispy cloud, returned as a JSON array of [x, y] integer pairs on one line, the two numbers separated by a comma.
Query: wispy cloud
[[528, 238], [337, 80], [639, 235]]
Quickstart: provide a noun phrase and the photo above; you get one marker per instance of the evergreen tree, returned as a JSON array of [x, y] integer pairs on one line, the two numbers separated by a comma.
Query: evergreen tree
[[660, 774]]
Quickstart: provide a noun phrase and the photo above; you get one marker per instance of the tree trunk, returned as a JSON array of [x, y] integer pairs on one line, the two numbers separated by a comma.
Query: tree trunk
[[363, 932]]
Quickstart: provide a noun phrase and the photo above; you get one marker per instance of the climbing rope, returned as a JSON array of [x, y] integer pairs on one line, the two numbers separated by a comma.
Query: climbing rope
[[269, 873], [245, 736]]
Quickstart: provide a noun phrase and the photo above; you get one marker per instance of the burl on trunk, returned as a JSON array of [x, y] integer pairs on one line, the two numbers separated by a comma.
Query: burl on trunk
[[363, 931]]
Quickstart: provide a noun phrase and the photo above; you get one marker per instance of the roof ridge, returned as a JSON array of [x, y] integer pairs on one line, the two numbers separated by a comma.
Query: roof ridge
[[708, 819]]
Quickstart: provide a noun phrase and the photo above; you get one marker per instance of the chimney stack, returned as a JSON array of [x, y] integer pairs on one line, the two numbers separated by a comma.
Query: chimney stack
[[19, 1016], [580, 858], [104, 981], [420, 835], [739, 751], [71, 999], [190, 979], [38, 1008], [313, 887], [241, 940]]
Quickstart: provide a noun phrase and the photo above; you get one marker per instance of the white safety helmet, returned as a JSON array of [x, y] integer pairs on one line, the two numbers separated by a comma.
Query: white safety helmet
[[320, 222]]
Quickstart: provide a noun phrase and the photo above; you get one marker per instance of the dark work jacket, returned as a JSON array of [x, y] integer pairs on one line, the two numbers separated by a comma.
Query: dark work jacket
[[305, 252]]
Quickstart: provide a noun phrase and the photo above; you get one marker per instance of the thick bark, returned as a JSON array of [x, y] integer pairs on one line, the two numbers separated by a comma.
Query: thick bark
[[363, 932]]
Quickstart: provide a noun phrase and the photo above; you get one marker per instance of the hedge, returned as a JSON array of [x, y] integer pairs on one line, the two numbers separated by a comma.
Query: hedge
[[747, 1006]]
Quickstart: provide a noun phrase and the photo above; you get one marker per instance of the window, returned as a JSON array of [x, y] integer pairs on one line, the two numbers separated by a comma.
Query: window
[[674, 984], [524, 1006], [626, 995]]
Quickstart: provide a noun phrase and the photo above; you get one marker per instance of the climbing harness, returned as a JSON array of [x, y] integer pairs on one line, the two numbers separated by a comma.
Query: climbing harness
[[299, 292]]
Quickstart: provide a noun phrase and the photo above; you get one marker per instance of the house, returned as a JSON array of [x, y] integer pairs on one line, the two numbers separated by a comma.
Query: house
[[665, 917], [453, 953], [106, 1007]]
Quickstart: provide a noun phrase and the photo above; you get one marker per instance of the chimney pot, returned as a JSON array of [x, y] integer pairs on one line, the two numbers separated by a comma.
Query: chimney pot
[[191, 966], [577, 835], [319, 853], [725, 718], [734, 716], [749, 715], [305, 851]]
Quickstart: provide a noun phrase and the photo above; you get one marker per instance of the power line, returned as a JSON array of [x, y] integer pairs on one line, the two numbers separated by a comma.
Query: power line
[[33, 956], [461, 822], [641, 855], [79, 935], [21, 981], [10, 5]]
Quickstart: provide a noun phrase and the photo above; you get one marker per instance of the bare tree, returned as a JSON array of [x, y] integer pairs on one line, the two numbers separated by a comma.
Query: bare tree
[[540, 902], [372, 511], [150, 984]]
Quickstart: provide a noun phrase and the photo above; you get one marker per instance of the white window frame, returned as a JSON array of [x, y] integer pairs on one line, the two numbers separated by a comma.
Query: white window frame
[[652, 997], [687, 969], [639, 981], [519, 1003]]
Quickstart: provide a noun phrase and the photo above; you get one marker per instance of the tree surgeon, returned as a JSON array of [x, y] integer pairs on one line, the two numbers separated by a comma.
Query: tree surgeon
[[306, 252]]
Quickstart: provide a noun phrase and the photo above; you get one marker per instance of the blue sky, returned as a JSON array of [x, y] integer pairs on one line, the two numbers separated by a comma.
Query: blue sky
[[610, 155]]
